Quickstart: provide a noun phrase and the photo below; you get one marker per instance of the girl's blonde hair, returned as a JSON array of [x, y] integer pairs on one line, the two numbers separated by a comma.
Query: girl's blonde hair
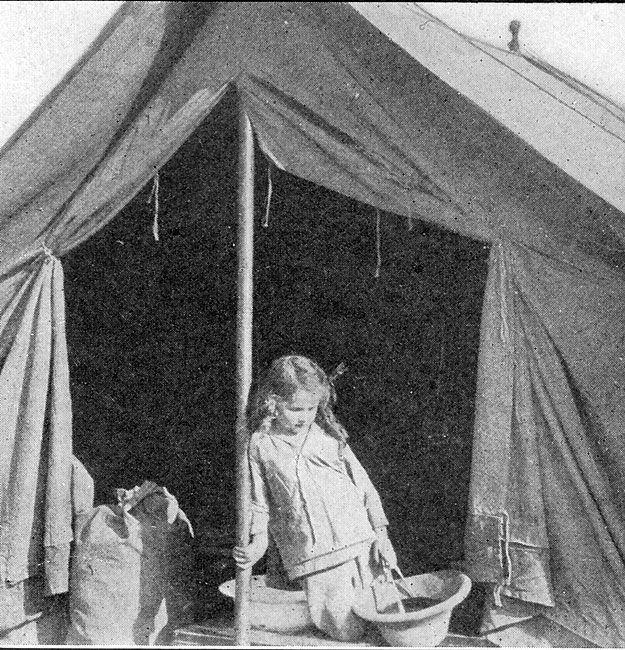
[[287, 375]]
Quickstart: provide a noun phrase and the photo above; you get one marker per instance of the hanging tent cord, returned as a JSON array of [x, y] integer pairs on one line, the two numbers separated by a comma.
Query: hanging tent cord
[[269, 192], [378, 245], [154, 193]]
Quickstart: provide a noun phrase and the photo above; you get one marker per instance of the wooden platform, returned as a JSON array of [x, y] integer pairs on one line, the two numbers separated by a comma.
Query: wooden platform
[[221, 632]]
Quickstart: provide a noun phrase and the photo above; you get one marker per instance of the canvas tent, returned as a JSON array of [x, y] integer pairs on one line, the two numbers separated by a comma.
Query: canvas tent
[[383, 104]]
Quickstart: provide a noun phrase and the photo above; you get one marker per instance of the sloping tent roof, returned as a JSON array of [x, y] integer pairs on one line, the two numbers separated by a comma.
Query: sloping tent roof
[[570, 124], [425, 124]]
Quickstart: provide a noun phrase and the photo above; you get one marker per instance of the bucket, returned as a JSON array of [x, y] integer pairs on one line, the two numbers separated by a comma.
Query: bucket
[[274, 610], [424, 627]]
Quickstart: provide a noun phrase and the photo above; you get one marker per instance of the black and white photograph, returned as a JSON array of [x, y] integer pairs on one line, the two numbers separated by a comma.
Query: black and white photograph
[[312, 324]]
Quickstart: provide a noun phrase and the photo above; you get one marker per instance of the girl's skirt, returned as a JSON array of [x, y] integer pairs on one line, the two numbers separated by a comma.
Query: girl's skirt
[[332, 592]]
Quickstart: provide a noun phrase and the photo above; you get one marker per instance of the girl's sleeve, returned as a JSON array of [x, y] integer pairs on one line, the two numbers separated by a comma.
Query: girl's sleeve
[[361, 479], [260, 498]]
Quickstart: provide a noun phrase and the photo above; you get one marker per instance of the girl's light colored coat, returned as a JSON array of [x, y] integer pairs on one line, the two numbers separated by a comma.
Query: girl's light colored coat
[[316, 499]]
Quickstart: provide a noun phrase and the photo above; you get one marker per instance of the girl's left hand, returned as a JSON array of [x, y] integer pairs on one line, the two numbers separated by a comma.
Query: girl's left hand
[[382, 548]]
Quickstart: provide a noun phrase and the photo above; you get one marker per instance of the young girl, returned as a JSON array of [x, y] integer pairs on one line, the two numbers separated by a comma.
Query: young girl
[[314, 497]]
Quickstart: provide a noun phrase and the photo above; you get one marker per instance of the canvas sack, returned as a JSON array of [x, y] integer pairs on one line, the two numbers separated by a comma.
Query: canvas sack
[[130, 578]]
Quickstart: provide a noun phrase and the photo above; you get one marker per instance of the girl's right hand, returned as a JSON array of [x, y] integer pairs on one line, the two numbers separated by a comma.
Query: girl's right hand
[[247, 556]]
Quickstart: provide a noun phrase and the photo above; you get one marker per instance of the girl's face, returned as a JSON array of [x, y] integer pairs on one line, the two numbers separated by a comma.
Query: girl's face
[[296, 414]]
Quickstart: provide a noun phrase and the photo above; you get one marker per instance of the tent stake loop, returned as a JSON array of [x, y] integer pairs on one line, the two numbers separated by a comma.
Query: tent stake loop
[[245, 259]]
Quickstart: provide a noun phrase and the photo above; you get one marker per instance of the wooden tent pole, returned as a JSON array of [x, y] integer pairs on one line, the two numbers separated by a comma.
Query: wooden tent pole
[[245, 257]]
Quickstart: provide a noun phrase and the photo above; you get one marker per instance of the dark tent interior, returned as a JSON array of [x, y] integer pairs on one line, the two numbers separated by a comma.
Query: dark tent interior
[[151, 334]]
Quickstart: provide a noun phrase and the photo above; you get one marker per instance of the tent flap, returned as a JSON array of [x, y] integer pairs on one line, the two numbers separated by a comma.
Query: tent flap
[[557, 485], [35, 515], [506, 536]]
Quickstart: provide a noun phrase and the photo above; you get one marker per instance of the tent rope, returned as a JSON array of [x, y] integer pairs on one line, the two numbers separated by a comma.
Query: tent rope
[[378, 245], [410, 222], [269, 193], [154, 193]]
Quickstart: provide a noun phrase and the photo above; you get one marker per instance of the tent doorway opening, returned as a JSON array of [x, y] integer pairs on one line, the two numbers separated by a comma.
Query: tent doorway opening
[[151, 335]]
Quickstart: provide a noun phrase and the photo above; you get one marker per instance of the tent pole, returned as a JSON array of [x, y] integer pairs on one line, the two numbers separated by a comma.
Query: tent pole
[[245, 259]]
